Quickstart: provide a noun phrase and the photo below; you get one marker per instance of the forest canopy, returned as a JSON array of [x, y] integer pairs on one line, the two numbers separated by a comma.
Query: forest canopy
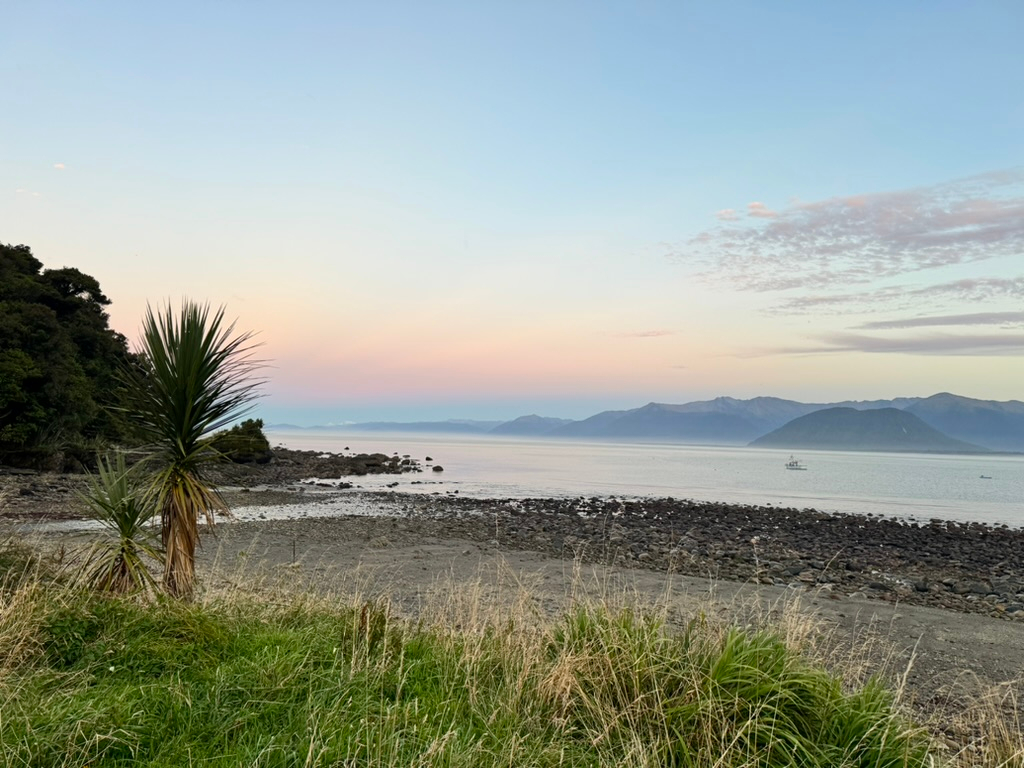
[[59, 364]]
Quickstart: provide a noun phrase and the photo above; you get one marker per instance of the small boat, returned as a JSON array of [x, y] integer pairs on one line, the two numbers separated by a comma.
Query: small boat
[[986, 477], [794, 464]]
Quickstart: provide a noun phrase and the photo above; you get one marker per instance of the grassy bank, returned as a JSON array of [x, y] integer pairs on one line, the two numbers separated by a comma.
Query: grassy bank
[[243, 678]]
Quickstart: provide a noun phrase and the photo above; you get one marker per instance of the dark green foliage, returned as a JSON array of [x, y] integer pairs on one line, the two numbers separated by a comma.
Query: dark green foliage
[[71, 636], [244, 443], [58, 364]]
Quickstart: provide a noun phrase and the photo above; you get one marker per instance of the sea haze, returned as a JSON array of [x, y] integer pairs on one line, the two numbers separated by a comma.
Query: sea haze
[[942, 423], [985, 488]]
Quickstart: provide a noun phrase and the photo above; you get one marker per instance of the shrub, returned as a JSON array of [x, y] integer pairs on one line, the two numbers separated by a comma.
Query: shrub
[[244, 443]]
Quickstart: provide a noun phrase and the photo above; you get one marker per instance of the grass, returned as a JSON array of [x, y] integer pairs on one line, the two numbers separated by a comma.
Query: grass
[[264, 679]]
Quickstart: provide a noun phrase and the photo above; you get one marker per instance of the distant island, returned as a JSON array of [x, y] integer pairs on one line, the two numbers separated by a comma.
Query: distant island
[[942, 423], [847, 429]]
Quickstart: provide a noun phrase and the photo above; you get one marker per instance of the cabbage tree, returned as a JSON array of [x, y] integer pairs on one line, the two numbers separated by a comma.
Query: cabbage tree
[[195, 376], [116, 499]]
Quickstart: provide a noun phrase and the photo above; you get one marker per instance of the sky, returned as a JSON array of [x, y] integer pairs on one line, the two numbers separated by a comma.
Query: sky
[[489, 209]]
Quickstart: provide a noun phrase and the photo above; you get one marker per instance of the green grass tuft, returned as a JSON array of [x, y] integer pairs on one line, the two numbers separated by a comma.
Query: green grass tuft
[[244, 681]]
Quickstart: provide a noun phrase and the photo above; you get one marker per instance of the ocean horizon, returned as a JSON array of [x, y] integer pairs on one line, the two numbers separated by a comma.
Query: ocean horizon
[[912, 487]]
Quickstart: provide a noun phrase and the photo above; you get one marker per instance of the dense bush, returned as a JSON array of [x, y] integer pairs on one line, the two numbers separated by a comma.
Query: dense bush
[[244, 443], [59, 362]]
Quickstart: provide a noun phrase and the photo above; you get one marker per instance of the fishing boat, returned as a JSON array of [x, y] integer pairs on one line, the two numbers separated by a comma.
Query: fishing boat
[[794, 464]]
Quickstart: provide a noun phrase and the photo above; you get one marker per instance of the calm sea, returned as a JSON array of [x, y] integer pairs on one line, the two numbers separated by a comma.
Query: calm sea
[[911, 486]]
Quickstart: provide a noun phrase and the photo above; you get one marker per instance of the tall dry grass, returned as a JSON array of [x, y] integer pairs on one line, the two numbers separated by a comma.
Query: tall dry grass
[[263, 670]]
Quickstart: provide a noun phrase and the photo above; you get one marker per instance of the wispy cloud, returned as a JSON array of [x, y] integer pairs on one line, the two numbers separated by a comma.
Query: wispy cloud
[[59, 166], [1005, 319], [858, 239], [968, 290], [646, 334], [928, 344]]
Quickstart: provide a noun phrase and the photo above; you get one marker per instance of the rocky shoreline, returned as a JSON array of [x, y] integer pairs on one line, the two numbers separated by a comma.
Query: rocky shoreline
[[291, 466], [966, 567], [33, 496]]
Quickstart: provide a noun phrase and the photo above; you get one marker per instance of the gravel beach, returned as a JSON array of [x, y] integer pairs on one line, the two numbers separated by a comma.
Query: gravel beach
[[941, 603]]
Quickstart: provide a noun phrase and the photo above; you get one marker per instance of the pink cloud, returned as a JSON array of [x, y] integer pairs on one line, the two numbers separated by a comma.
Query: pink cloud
[[760, 211], [727, 214], [861, 238]]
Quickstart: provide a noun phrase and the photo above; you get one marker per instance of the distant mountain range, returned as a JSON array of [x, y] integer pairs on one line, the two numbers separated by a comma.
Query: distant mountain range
[[465, 426], [531, 425], [942, 423]]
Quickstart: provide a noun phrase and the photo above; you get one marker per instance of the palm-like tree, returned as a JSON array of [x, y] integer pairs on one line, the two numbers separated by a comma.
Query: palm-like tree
[[116, 499], [195, 376]]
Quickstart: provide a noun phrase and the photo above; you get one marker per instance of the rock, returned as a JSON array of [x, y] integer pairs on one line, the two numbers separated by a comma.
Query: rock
[[438, 468], [971, 588]]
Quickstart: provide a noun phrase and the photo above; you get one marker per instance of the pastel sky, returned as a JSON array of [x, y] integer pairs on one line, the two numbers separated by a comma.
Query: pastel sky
[[487, 209]]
